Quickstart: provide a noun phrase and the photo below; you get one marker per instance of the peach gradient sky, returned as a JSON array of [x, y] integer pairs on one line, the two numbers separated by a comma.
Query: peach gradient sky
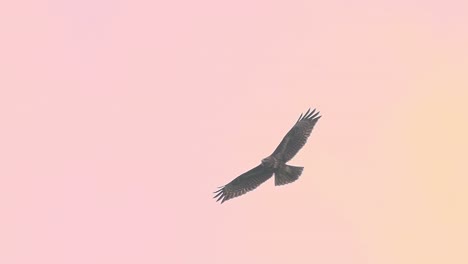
[[120, 118]]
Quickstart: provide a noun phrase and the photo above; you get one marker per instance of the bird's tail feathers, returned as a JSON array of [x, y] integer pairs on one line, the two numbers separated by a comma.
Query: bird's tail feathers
[[287, 174]]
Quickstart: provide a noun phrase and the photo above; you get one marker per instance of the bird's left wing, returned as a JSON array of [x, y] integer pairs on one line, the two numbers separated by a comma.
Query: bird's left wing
[[244, 183], [296, 138]]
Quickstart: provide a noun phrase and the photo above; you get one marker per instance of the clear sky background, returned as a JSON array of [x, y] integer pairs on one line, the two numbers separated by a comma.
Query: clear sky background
[[118, 119]]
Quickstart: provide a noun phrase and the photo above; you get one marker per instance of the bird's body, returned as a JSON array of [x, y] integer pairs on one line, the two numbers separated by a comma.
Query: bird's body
[[275, 164]]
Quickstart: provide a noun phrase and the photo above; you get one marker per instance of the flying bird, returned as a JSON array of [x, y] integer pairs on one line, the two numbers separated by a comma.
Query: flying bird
[[275, 164]]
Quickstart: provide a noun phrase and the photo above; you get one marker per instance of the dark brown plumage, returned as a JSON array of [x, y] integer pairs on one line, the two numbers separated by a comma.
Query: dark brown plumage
[[294, 140]]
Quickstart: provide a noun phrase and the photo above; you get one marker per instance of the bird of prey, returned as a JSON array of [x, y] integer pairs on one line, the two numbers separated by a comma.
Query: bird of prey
[[294, 140]]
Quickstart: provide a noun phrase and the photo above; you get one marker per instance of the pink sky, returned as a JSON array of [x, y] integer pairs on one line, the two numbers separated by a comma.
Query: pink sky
[[120, 118]]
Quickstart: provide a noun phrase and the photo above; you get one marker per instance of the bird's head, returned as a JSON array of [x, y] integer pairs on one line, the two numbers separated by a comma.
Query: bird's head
[[268, 162]]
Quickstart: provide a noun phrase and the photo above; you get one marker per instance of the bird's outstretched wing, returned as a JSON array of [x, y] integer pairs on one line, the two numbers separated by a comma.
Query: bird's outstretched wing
[[244, 183], [296, 138]]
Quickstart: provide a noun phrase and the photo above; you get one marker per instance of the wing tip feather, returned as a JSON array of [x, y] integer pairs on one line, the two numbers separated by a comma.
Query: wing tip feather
[[309, 115]]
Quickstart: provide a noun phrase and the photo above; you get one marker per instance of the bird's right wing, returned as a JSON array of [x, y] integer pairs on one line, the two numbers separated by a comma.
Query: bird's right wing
[[244, 183]]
